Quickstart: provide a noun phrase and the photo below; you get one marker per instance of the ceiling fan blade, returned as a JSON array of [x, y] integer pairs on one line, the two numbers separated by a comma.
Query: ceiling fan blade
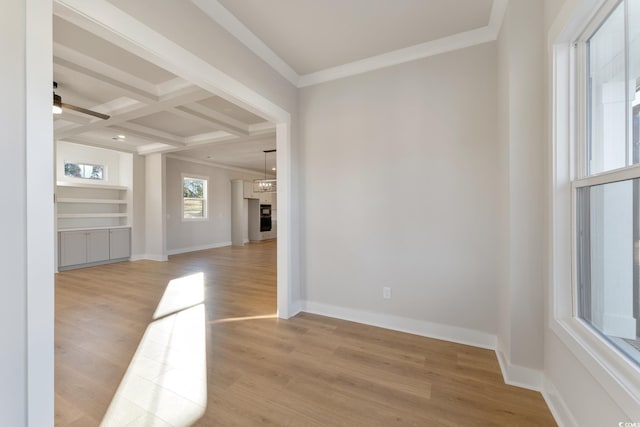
[[85, 111]]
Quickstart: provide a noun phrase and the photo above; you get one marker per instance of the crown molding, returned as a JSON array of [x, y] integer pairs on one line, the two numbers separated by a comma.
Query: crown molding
[[228, 21], [400, 56], [215, 165]]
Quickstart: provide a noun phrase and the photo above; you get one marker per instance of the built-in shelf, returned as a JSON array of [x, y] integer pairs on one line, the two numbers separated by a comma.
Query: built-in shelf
[[91, 206], [92, 215], [97, 201], [95, 186]]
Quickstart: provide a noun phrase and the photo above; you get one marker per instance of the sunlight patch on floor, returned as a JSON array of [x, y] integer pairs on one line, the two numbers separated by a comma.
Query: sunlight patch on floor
[[166, 381], [240, 319]]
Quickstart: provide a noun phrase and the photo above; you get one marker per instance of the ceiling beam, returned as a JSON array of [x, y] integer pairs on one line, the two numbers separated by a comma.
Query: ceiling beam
[[185, 96], [191, 114], [130, 91], [118, 146], [221, 117], [63, 52], [149, 134], [264, 128]]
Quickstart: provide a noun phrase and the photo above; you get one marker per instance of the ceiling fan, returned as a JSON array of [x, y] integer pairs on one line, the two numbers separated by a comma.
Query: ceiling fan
[[58, 105]]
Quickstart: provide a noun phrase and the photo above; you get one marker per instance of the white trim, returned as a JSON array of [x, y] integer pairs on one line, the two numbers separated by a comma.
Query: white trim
[[559, 409], [149, 257], [296, 308], [400, 56], [404, 324], [198, 248], [622, 174], [609, 367], [617, 376], [39, 222], [104, 19], [205, 191], [229, 22], [519, 376], [213, 164], [218, 13]]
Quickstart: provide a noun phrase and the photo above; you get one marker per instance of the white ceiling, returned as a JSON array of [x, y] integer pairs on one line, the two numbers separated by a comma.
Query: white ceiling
[[312, 35], [307, 41], [155, 110]]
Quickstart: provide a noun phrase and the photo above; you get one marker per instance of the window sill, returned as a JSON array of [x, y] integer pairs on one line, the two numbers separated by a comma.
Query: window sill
[[618, 376], [195, 219]]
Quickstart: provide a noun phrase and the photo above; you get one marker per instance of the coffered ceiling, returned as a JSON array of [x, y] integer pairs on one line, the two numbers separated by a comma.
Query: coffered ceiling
[[152, 108], [306, 41]]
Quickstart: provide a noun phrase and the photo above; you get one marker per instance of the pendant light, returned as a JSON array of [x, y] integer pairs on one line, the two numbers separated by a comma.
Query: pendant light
[[265, 185]]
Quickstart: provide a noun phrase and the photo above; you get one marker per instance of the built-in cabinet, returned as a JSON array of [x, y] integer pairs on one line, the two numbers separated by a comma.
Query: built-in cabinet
[[81, 248], [93, 224]]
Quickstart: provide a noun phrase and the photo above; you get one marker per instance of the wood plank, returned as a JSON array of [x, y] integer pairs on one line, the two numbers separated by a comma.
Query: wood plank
[[309, 370]]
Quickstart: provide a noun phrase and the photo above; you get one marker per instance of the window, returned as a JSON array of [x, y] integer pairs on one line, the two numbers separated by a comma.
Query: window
[[83, 170], [607, 183], [194, 198]]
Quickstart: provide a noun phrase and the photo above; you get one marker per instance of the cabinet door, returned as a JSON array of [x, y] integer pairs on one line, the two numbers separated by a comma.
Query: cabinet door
[[97, 245], [73, 248], [119, 243]]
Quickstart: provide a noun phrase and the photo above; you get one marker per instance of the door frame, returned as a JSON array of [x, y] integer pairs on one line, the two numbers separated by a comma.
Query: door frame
[[111, 23]]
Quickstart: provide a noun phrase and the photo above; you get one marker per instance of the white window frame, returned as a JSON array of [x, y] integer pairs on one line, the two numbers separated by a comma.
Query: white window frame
[[206, 196], [615, 372], [81, 178]]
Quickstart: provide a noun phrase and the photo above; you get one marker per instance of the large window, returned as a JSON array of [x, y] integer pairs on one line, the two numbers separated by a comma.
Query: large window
[[194, 198], [607, 183]]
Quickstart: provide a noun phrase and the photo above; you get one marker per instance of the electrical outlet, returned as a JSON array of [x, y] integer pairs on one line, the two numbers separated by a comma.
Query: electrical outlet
[[386, 292]]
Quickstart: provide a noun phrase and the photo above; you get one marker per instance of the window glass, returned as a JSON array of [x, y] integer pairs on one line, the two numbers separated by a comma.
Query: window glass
[[83, 170], [608, 276], [608, 207], [194, 198], [634, 76], [607, 143]]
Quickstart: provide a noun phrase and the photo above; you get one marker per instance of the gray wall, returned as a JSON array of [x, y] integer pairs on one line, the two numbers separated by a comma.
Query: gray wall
[[183, 235], [522, 133], [401, 188]]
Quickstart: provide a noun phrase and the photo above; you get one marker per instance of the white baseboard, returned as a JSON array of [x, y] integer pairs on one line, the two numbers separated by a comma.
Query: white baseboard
[[149, 257], [557, 406], [198, 248], [404, 324], [519, 376], [296, 308]]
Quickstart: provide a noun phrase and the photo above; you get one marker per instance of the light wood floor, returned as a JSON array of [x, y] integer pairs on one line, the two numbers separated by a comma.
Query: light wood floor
[[116, 356]]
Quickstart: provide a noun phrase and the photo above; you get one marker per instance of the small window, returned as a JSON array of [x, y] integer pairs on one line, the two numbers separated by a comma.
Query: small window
[[194, 198], [84, 170]]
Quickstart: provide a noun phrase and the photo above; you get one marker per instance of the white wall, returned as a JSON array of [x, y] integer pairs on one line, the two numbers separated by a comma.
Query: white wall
[[155, 207], [401, 188], [138, 211], [522, 139], [26, 217], [182, 235], [78, 153]]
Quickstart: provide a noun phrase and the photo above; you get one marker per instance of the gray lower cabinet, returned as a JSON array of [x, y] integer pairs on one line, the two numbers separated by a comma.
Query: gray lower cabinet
[[80, 247], [119, 243], [97, 245], [73, 248]]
